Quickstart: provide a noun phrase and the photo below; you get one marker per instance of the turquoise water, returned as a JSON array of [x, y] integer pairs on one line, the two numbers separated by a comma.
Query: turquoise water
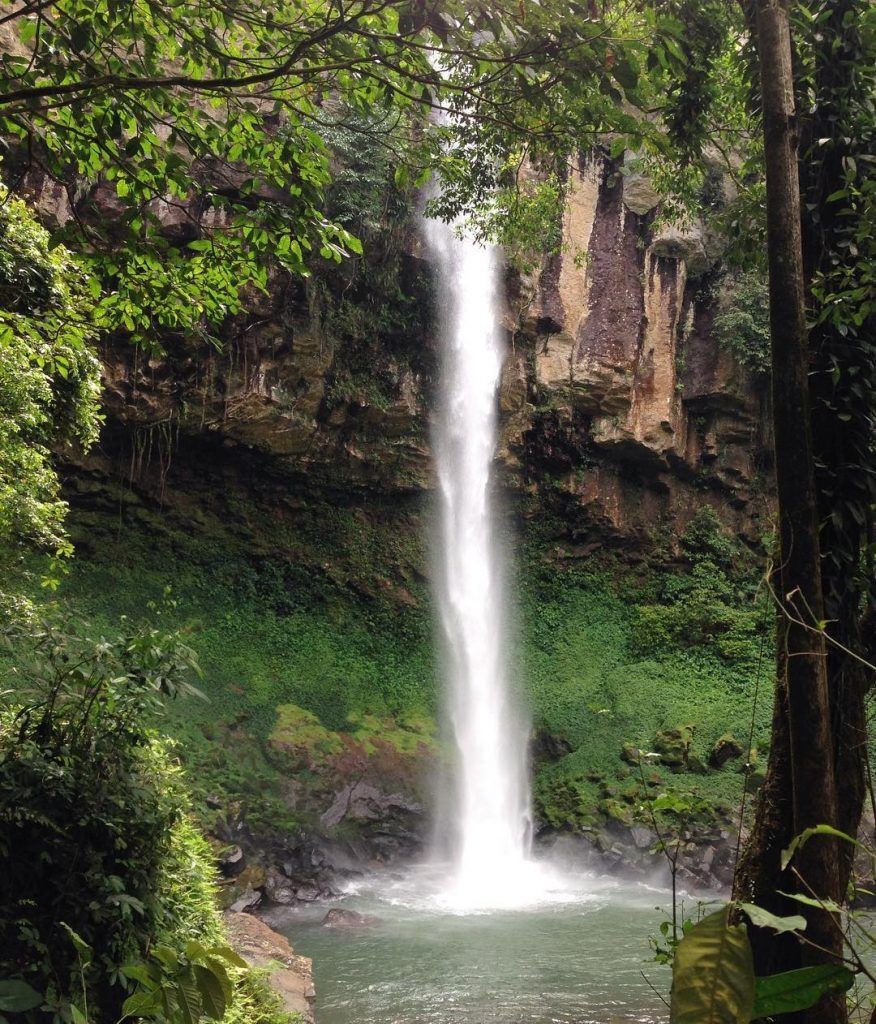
[[579, 954]]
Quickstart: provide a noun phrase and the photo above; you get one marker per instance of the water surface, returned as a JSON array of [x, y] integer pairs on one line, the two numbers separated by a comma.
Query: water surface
[[575, 957]]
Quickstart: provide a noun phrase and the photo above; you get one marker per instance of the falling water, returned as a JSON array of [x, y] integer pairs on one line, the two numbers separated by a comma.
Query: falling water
[[490, 819]]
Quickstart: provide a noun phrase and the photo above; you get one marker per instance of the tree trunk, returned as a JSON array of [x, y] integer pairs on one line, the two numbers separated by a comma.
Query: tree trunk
[[841, 383], [800, 790]]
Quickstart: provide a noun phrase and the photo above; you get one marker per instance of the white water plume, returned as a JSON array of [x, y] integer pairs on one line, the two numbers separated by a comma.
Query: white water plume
[[490, 825]]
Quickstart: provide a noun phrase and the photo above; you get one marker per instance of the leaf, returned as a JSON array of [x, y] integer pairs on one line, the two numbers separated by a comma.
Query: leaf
[[713, 974], [212, 993], [798, 990], [761, 918], [831, 906], [18, 997], [228, 954], [141, 1003], [189, 999], [625, 74], [77, 1015], [79, 944], [818, 830]]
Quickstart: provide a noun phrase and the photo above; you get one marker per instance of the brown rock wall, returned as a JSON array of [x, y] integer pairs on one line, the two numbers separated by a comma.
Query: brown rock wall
[[618, 409]]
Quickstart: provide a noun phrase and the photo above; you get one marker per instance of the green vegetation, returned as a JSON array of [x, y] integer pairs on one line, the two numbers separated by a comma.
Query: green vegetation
[[298, 666], [107, 900], [615, 660], [49, 374], [742, 324]]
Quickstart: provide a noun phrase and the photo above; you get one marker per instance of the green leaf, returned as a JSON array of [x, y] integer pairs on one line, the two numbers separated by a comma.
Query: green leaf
[[713, 974], [18, 997], [819, 830], [761, 918], [189, 999], [141, 1003], [77, 1015], [808, 901], [798, 990], [626, 75], [212, 993], [228, 954], [79, 944]]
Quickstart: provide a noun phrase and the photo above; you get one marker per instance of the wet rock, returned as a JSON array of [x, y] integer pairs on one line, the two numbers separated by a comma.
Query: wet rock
[[249, 899], [232, 861], [347, 920], [290, 975], [364, 802], [643, 838], [546, 747], [279, 889]]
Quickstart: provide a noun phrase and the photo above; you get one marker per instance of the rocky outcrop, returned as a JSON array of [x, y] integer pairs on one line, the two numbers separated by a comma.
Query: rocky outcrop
[[706, 858], [619, 410], [636, 414], [290, 975]]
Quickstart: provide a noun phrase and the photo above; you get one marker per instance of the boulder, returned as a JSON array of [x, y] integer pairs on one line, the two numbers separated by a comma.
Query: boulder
[[290, 975], [364, 802], [279, 889], [631, 753], [673, 745], [643, 838], [232, 861], [347, 920], [249, 899], [546, 747], [727, 748]]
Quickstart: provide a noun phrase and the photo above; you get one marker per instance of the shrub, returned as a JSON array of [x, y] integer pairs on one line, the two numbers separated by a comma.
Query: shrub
[[742, 325], [96, 850], [49, 374]]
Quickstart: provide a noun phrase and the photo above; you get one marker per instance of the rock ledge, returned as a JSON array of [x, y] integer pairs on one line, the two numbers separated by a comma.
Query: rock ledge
[[262, 947]]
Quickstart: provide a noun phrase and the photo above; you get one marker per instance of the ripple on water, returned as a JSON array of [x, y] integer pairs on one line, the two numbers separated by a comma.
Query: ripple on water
[[575, 955]]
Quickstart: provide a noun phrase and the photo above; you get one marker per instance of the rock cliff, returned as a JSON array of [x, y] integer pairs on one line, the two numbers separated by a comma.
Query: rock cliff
[[621, 414]]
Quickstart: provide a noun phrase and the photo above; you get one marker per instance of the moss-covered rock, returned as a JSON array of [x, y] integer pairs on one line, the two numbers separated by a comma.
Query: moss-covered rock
[[673, 745], [726, 748]]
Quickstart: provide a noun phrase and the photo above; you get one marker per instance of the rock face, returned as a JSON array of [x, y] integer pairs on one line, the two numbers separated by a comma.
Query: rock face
[[260, 946], [619, 410], [635, 414]]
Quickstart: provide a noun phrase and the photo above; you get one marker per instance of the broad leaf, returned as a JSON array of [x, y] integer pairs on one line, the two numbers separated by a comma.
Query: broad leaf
[[819, 830], [713, 974], [228, 954], [761, 918], [212, 993], [798, 990], [808, 901], [141, 1003], [18, 997], [189, 999]]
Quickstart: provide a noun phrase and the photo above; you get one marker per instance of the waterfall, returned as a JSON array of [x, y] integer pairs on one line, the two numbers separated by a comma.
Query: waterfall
[[490, 808]]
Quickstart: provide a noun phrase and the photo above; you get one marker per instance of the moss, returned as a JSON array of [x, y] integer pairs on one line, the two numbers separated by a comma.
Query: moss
[[343, 661]]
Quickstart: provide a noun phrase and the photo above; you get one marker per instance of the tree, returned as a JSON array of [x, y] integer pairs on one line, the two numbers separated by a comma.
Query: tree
[[820, 252], [216, 113], [49, 376], [802, 721]]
